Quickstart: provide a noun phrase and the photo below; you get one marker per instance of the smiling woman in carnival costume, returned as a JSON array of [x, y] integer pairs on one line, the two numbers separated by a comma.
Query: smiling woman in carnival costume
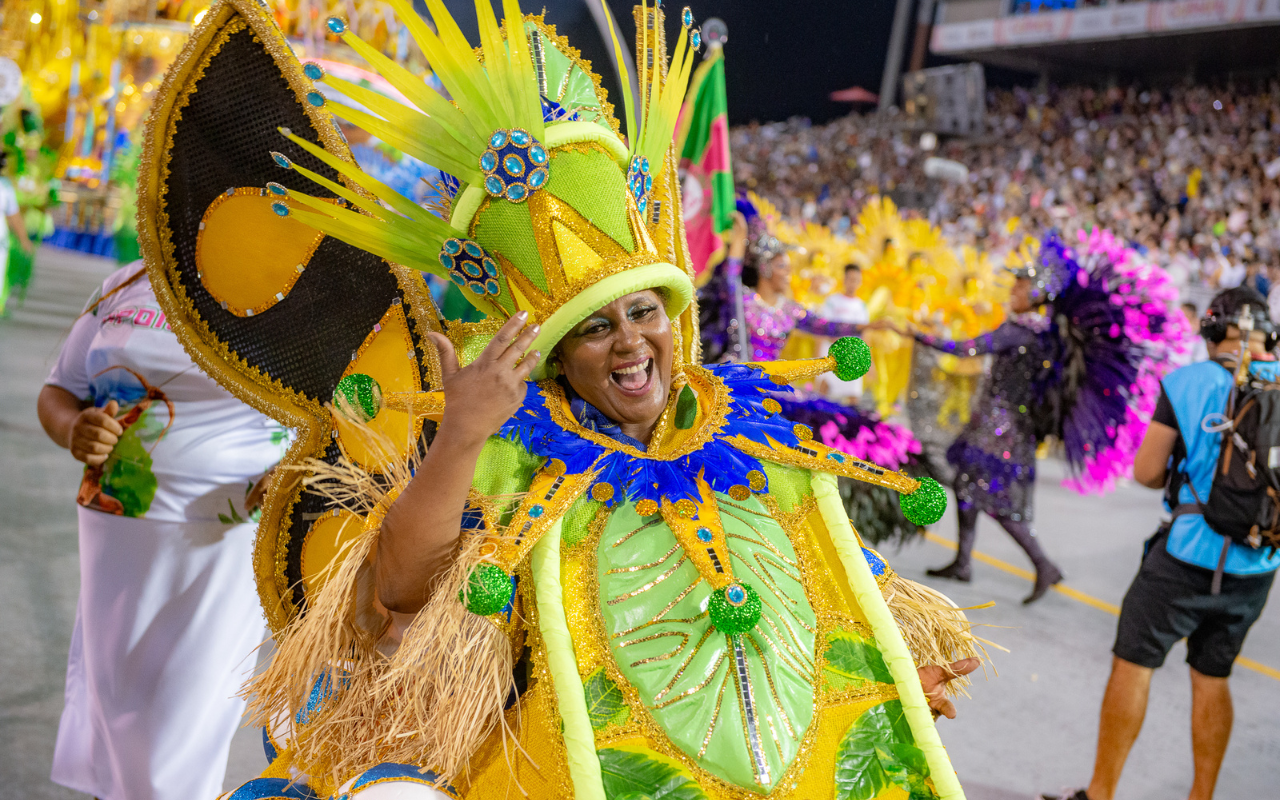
[[626, 576]]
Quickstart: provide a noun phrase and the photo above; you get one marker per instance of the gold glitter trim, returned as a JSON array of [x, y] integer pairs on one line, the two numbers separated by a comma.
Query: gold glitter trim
[[849, 467], [713, 402], [786, 372]]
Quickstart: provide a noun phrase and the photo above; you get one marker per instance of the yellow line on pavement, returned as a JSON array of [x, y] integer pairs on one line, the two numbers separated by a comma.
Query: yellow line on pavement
[[1079, 596]]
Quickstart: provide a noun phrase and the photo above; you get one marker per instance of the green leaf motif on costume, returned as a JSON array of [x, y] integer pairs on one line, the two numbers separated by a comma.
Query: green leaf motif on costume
[[605, 704], [878, 752], [851, 659], [127, 475], [686, 409], [630, 776]]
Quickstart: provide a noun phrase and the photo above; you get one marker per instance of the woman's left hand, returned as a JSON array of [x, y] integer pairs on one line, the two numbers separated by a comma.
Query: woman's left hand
[[934, 679]]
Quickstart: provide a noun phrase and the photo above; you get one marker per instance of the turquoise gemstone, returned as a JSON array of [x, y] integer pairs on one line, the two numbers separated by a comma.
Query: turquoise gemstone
[[282, 160], [537, 154], [491, 286], [643, 205], [513, 164], [537, 178], [315, 98], [836, 457], [474, 250], [336, 26], [648, 183], [695, 40], [490, 268], [446, 261], [644, 164], [493, 185], [516, 192], [281, 209], [704, 534], [277, 189], [488, 161], [520, 138], [498, 139], [535, 511], [686, 16], [452, 246], [476, 288], [313, 71], [458, 279], [471, 268], [735, 594]]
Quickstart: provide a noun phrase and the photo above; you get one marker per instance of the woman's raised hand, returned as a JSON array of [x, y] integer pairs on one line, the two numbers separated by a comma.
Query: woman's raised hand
[[483, 395], [94, 434]]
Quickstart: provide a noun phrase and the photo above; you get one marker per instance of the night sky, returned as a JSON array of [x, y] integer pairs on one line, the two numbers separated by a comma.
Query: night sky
[[782, 59]]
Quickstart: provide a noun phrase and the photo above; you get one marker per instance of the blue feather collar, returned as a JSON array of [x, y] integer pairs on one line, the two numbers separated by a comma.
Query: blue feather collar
[[736, 393]]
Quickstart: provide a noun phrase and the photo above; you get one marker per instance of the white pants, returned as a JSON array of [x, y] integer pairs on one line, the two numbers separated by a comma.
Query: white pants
[[166, 626]]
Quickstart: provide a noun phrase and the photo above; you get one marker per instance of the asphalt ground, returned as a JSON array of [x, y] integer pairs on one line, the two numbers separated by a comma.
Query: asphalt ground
[[1029, 726]]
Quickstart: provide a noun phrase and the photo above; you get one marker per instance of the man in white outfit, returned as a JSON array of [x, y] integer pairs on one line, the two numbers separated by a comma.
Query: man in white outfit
[[844, 306]]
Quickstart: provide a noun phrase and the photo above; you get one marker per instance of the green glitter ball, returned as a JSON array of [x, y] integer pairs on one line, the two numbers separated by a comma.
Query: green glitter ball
[[853, 357], [488, 590], [358, 396], [926, 504], [735, 609]]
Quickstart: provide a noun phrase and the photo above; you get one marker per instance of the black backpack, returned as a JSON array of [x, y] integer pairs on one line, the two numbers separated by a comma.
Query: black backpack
[[1244, 500]]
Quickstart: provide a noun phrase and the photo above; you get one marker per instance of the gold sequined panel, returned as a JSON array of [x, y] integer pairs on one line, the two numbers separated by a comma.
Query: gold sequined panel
[[621, 718], [809, 454]]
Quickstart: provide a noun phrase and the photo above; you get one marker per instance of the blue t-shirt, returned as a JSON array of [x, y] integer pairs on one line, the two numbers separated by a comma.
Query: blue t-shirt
[[1196, 392]]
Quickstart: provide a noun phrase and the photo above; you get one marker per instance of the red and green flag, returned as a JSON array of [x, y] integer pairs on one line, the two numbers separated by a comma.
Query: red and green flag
[[703, 144]]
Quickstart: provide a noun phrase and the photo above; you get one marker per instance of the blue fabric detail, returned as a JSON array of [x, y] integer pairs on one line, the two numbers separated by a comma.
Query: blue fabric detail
[[1196, 392], [320, 692], [400, 772], [272, 789], [268, 747], [874, 561], [591, 418], [640, 478]]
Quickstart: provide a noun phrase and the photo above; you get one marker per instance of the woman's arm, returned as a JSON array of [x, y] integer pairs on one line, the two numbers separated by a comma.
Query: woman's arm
[[419, 536], [818, 326], [1007, 337], [89, 433], [18, 227]]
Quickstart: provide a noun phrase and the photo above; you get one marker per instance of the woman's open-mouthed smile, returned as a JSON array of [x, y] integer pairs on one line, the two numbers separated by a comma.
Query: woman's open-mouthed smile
[[619, 360]]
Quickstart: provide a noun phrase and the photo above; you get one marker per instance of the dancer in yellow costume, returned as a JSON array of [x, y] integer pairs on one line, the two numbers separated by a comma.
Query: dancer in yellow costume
[[607, 572]]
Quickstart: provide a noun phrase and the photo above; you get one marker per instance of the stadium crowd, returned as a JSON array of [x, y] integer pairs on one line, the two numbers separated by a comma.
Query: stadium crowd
[[1191, 175]]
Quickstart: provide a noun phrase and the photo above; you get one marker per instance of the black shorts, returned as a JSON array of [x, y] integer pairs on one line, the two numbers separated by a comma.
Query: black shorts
[[1169, 600]]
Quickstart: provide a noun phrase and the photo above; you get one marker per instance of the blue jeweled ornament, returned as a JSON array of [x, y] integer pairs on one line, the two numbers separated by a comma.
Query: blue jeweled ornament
[[316, 99], [686, 16], [277, 189], [640, 182], [313, 71], [695, 38], [336, 26], [514, 165], [281, 209], [705, 535], [470, 267], [281, 160]]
